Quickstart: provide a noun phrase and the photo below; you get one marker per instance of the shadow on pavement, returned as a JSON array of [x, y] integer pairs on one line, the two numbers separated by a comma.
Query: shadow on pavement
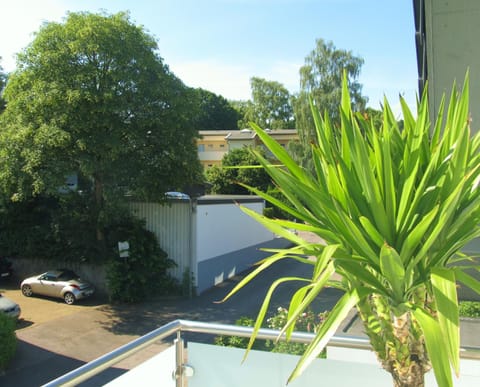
[[44, 366], [144, 317]]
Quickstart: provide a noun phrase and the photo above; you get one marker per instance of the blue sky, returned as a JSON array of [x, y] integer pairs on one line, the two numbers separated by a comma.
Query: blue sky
[[220, 44]]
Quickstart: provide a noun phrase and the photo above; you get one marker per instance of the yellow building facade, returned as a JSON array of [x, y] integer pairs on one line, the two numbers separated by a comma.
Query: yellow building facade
[[214, 144]]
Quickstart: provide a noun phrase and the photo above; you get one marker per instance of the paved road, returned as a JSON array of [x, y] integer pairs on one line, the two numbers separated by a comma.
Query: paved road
[[77, 335]]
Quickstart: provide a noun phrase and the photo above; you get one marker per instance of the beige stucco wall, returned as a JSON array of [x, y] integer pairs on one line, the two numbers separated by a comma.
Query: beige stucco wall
[[453, 32]]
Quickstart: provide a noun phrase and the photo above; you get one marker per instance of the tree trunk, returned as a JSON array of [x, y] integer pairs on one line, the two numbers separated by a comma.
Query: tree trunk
[[98, 195]]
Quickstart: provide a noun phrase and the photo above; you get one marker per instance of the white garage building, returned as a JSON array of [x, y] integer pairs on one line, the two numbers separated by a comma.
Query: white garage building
[[209, 237]]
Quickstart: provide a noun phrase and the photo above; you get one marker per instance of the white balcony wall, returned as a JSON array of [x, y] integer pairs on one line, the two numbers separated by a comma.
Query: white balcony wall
[[216, 366], [156, 371]]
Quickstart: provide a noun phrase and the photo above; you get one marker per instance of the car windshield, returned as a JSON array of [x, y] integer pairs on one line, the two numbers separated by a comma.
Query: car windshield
[[67, 275]]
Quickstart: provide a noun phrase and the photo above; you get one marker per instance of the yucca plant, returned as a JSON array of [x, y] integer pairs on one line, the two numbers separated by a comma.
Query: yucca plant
[[395, 206]]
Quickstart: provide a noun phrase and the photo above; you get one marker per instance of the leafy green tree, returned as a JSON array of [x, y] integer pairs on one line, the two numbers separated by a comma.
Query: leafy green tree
[[92, 97], [214, 112], [395, 208], [3, 81], [226, 179], [271, 105], [242, 107], [321, 81]]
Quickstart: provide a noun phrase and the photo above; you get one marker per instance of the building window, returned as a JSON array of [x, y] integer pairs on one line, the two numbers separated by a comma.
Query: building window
[[201, 147]]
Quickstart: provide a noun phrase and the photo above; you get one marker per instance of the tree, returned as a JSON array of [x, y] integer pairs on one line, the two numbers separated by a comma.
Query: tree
[[321, 81], [241, 107], [214, 112], [92, 97], [395, 208], [3, 81], [271, 105], [225, 179]]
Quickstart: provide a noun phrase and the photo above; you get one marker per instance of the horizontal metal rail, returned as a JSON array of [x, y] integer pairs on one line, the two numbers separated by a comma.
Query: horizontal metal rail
[[100, 364]]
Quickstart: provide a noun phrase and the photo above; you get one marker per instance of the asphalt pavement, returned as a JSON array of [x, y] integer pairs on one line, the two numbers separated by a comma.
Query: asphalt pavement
[[52, 348]]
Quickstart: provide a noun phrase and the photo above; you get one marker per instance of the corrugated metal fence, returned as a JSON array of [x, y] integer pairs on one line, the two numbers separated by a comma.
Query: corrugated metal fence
[[171, 224]]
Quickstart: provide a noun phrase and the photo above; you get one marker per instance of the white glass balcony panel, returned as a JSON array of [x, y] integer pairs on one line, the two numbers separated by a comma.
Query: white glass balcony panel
[[156, 371], [216, 366]]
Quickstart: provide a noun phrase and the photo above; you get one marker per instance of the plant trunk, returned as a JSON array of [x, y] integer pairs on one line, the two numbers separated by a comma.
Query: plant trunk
[[407, 363], [397, 341], [415, 378]]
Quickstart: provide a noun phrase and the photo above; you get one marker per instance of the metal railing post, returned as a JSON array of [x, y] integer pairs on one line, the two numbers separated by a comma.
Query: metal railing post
[[179, 360]]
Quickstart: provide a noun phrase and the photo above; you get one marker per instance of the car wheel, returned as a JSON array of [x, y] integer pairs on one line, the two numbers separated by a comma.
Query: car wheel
[[27, 290], [69, 298]]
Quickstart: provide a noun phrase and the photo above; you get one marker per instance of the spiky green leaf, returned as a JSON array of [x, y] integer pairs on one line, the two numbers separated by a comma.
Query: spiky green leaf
[[445, 292]]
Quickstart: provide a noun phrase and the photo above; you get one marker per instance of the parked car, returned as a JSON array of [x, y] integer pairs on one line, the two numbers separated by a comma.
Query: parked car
[[9, 307], [5, 268], [61, 283]]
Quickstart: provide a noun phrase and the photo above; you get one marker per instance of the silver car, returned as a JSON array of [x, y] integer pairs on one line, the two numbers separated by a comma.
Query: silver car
[[62, 283], [9, 307]]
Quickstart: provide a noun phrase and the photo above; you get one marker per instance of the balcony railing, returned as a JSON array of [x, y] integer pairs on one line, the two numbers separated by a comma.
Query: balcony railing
[[182, 370]]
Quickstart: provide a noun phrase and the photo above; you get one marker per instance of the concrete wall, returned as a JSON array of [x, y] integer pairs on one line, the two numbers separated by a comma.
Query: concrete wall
[[24, 268], [217, 269], [228, 241], [222, 228]]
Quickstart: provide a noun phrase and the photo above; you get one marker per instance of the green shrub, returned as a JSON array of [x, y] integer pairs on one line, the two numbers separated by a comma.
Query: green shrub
[[8, 340], [236, 341], [144, 273], [308, 322], [469, 309]]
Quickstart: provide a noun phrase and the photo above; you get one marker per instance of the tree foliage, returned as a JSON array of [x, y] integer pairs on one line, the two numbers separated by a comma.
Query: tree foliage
[[225, 179], [321, 81], [8, 340], [214, 112], [3, 81], [271, 105], [241, 107], [91, 96]]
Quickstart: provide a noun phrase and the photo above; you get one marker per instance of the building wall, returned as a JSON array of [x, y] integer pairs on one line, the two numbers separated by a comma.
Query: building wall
[[223, 227], [209, 237], [452, 30], [228, 241], [214, 144], [211, 146]]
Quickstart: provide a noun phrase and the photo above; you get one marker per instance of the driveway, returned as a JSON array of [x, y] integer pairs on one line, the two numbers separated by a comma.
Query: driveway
[[54, 338], [38, 310]]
